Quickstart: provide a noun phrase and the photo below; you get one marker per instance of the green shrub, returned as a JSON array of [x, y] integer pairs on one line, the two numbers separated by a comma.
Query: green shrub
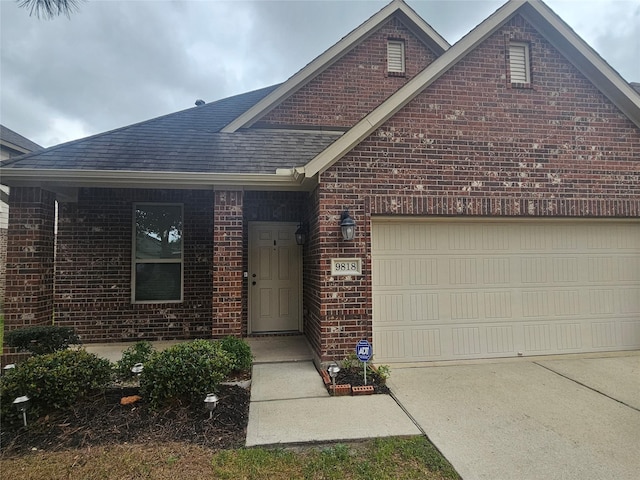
[[53, 382], [42, 339], [184, 373], [240, 352], [139, 352]]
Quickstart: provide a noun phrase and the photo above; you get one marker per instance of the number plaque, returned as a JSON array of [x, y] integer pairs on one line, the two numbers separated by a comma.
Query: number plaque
[[346, 266]]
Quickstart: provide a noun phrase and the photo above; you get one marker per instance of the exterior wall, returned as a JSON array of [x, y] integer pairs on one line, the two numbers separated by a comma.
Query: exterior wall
[[356, 84], [313, 276], [470, 145], [93, 274], [3, 265], [29, 270], [227, 265]]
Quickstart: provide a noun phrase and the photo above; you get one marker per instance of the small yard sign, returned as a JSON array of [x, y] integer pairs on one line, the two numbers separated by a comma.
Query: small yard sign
[[364, 351]]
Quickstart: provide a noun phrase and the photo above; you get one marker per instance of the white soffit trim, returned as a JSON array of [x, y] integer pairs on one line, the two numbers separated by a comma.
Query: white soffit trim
[[548, 23], [133, 179], [321, 63], [13, 146]]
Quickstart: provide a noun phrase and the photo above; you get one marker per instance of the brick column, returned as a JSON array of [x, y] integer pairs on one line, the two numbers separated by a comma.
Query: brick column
[[227, 264], [30, 258]]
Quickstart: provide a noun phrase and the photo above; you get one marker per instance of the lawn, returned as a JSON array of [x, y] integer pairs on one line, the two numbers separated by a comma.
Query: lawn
[[397, 458]]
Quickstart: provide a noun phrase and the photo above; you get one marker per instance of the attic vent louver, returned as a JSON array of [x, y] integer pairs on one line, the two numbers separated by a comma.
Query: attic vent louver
[[519, 63], [395, 56]]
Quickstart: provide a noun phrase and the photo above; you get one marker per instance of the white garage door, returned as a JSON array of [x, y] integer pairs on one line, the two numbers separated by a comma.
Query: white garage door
[[446, 290]]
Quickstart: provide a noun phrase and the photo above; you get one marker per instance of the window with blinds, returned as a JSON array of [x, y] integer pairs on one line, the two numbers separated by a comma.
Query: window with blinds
[[519, 63], [395, 56]]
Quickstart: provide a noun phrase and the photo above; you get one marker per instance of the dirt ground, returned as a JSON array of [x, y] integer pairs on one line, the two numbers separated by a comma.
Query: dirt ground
[[102, 420]]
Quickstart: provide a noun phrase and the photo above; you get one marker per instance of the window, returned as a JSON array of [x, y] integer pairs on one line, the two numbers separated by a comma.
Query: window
[[395, 56], [519, 62], [157, 253]]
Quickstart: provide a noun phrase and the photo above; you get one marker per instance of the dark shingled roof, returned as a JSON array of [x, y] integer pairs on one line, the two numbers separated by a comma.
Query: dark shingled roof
[[186, 141], [18, 140]]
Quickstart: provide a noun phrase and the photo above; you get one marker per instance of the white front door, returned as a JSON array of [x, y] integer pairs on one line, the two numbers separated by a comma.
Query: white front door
[[275, 299]]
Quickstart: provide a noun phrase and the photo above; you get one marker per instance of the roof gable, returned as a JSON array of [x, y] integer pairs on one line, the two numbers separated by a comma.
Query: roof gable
[[15, 141], [397, 7], [556, 31]]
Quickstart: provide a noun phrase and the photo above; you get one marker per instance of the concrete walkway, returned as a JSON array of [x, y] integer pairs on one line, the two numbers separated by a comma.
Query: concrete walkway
[[575, 418], [289, 403]]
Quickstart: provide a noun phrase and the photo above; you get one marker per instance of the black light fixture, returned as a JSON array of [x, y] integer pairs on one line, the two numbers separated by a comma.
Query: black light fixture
[[301, 234], [347, 225]]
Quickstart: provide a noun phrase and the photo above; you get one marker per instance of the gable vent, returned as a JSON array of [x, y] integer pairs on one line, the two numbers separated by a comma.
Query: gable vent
[[519, 63], [395, 56]]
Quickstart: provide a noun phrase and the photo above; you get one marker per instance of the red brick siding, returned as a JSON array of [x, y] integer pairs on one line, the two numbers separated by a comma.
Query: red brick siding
[[93, 275], [472, 145], [3, 265], [355, 84], [228, 263], [312, 274], [29, 270]]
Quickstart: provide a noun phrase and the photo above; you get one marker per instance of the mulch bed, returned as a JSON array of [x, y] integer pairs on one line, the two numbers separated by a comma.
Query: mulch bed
[[355, 378], [101, 420]]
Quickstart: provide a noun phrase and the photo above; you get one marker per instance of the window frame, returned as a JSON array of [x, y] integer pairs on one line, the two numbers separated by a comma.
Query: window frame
[[136, 261], [403, 48], [527, 63]]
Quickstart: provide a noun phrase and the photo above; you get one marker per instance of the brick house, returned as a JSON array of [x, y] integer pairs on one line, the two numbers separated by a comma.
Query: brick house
[[494, 185]]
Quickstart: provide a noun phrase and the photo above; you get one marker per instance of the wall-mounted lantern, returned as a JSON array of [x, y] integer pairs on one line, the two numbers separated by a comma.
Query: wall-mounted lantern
[[347, 225], [301, 234]]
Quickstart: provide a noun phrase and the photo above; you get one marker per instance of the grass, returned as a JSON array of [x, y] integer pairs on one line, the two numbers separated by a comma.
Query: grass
[[1, 330], [398, 458]]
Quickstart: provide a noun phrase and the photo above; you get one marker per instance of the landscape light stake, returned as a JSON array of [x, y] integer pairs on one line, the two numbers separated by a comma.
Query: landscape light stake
[[333, 373], [22, 403], [137, 369], [210, 403]]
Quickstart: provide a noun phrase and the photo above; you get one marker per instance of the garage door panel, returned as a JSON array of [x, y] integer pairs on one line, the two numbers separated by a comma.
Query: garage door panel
[[630, 332], [473, 290], [629, 300]]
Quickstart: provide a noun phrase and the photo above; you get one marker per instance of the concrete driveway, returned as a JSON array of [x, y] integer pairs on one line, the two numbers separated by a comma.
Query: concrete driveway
[[576, 418]]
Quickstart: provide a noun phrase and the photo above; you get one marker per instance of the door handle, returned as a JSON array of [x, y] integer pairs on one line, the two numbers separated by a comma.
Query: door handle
[[253, 283]]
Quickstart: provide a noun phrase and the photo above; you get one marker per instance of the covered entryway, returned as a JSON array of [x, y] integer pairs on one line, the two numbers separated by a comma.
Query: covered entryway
[[275, 280], [457, 289]]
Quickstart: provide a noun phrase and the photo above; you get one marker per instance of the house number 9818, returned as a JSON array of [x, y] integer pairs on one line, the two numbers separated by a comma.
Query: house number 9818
[[346, 266]]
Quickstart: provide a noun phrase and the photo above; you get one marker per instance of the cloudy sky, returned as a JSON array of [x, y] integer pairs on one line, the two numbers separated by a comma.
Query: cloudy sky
[[119, 62]]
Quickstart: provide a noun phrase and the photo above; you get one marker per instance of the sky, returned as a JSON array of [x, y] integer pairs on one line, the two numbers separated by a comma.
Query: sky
[[118, 62]]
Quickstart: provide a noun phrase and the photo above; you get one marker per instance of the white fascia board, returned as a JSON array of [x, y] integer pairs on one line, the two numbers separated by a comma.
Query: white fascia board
[[436, 41], [584, 58], [132, 179], [13, 146], [408, 92], [325, 60]]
